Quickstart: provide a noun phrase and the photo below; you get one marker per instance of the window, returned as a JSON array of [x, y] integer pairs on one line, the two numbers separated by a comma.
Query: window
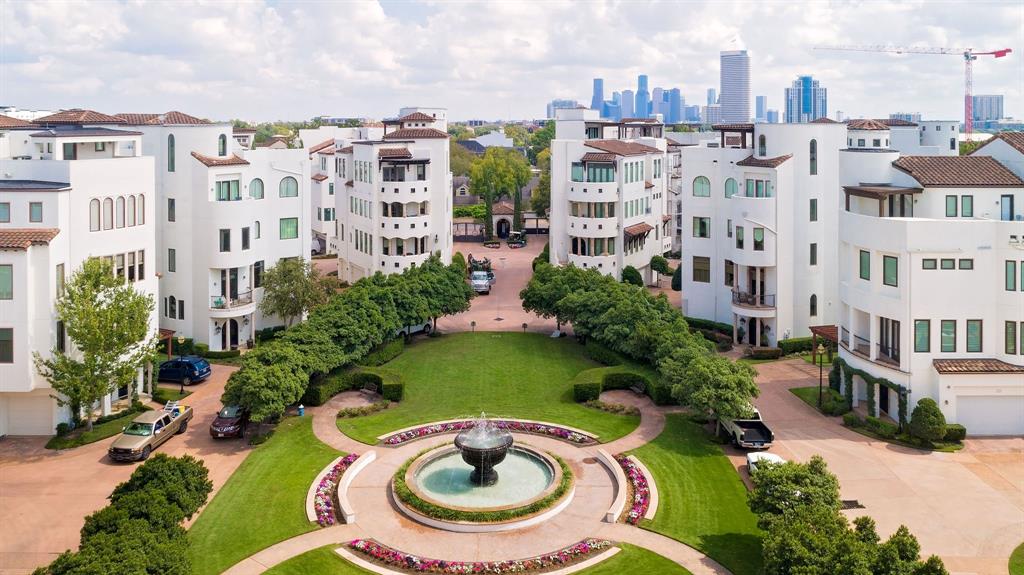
[[171, 215], [739, 237], [288, 188], [750, 188], [974, 336], [256, 189], [701, 187], [245, 238], [890, 271], [814, 305], [922, 335], [172, 260], [762, 146], [94, 215], [227, 191], [730, 273], [947, 264], [701, 269], [70, 151], [319, 214], [222, 145], [967, 206], [1011, 337], [947, 335], [929, 264], [966, 264], [60, 280], [170, 152], [142, 265], [257, 274], [952, 143], [814, 157], [861, 142], [730, 188], [108, 213], [131, 210], [6, 345], [6, 281], [142, 209], [701, 227], [119, 212], [119, 265], [61, 337], [99, 146], [289, 228], [5, 212], [1011, 275], [181, 309], [877, 142], [172, 307], [865, 265], [814, 210], [35, 212], [728, 228], [814, 254], [225, 240], [950, 206], [256, 229], [577, 172], [130, 259], [330, 189], [758, 239]]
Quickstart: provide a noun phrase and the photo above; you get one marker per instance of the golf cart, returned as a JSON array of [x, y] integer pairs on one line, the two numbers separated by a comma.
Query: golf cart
[[516, 239]]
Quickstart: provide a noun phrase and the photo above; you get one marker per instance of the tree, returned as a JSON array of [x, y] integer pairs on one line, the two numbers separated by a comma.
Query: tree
[[968, 147], [540, 200], [677, 279], [518, 134], [462, 160], [540, 140], [499, 172], [184, 480], [630, 275], [778, 488], [133, 549], [293, 288], [710, 384], [268, 382], [927, 422], [660, 265], [458, 132], [107, 321], [812, 540]]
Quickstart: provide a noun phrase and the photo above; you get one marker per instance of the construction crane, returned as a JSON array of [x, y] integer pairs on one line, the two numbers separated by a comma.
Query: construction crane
[[968, 54]]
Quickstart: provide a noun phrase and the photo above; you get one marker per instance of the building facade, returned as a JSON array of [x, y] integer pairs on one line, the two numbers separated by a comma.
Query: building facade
[[987, 107], [734, 82], [806, 101]]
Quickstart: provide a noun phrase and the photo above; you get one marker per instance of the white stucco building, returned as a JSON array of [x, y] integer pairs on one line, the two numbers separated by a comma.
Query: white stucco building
[[80, 188], [609, 193], [226, 215]]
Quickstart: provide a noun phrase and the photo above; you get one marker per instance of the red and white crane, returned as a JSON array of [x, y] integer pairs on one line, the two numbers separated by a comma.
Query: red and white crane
[[968, 54]]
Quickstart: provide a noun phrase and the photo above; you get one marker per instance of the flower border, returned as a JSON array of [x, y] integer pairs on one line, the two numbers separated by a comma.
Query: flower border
[[641, 490], [323, 500], [391, 557], [512, 425]]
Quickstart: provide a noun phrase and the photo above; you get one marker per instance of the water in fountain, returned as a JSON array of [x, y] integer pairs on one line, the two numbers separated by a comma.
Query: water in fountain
[[483, 446]]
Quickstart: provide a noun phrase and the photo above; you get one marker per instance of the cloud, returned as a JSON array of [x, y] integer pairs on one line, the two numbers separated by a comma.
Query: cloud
[[275, 60]]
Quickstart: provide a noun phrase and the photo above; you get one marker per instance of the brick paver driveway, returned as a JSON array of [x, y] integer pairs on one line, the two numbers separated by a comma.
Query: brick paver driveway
[[45, 495], [966, 507]]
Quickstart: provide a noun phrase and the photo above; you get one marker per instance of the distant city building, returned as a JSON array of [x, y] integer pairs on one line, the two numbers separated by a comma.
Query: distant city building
[[643, 98], [560, 104], [627, 104], [914, 117], [676, 102], [658, 103], [28, 115], [772, 116], [806, 101], [597, 100], [691, 113], [712, 97], [711, 114], [761, 108], [987, 107], [735, 85]]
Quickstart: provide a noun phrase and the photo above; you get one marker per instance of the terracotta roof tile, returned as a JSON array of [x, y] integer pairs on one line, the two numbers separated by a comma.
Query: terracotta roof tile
[[824, 120], [417, 117], [598, 157], [349, 184], [393, 153], [415, 133], [897, 122], [345, 150], [321, 146], [752, 162], [958, 171], [638, 229], [648, 185], [666, 218], [639, 121], [1014, 139], [621, 148], [828, 332], [212, 162], [243, 130], [502, 209], [319, 177], [23, 238], [981, 365], [733, 127], [172, 118], [77, 116], [866, 124], [9, 122], [77, 131]]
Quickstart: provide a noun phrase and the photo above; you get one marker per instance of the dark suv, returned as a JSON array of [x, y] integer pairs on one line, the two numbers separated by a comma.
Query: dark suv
[[231, 421], [186, 370]]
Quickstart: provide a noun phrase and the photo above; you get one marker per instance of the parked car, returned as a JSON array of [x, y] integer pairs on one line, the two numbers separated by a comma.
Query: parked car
[[148, 431], [186, 370], [761, 458], [231, 421], [481, 281], [750, 433], [423, 327]]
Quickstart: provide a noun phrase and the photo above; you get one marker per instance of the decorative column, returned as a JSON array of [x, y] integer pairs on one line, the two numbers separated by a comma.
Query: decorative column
[[106, 404], [735, 325], [873, 338]]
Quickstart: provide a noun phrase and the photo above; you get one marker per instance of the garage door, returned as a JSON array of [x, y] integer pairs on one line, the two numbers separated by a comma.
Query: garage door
[[991, 415], [30, 416]]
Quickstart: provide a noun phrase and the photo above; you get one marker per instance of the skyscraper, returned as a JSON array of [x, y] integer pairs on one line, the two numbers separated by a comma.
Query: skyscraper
[[597, 100], [626, 108], [643, 97], [806, 101], [712, 97], [559, 104], [760, 108], [987, 107], [772, 116], [734, 81], [676, 103], [657, 102]]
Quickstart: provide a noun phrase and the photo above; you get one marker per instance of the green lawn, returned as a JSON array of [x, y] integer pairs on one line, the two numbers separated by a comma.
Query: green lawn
[[321, 561], [165, 394], [520, 375], [101, 431], [809, 395], [1017, 561], [703, 502], [823, 360], [263, 502]]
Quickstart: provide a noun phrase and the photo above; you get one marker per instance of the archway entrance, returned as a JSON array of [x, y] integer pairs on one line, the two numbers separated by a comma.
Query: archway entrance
[[504, 226]]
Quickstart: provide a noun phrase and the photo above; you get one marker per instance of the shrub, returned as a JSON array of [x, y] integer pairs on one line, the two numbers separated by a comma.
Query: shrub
[[881, 428], [722, 342], [583, 392], [201, 349], [63, 429], [796, 345], [364, 410], [765, 353], [630, 275], [955, 432], [136, 407], [660, 394], [624, 380], [834, 404], [459, 261], [222, 354], [613, 407], [927, 422], [717, 327], [268, 333], [677, 279], [384, 353], [187, 347], [392, 388], [601, 354], [543, 257], [660, 265], [321, 389], [852, 419]]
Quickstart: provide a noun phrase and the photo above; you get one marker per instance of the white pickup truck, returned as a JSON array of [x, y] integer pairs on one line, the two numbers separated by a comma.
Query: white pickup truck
[[750, 433]]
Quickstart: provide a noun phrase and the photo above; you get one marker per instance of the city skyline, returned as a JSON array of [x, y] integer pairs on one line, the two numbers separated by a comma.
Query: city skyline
[[508, 61]]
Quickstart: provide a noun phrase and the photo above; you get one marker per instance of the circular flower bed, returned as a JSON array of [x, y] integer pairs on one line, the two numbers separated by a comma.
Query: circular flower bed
[[394, 558], [641, 490], [507, 424], [326, 491]]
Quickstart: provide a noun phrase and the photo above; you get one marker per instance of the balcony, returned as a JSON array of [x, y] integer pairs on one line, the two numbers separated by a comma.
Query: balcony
[[751, 305], [593, 191], [885, 355], [230, 306], [593, 227]]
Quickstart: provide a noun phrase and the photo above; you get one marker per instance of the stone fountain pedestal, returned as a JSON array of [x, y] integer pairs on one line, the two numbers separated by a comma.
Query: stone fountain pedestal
[[483, 452]]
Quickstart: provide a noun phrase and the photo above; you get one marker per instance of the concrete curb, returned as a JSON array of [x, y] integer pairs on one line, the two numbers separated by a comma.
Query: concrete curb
[[652, 506], [347, 512], [619, 476], [547, 423], [311, 492], [347, 555]]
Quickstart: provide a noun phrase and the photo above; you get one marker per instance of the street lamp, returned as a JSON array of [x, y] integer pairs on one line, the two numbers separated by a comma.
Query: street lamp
[[821, 352], [181, 382], [472, 325]]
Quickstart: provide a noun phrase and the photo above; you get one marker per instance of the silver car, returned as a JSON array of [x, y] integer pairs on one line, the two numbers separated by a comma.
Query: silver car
[[481, 281]]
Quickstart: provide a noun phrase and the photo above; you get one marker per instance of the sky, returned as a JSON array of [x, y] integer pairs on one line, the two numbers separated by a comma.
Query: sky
[[266, 60]]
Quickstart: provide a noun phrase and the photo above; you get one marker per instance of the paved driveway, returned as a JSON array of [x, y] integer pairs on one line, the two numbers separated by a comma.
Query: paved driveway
[[966, 507], [45, 495]]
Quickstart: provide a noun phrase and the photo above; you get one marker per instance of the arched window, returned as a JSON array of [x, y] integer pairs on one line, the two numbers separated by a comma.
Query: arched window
[[256, 229], [814, 157], [170, 152], [701, 187], [94, 216], [762, 146], [222, 145], [730, 188], [172, 305], [119, 212], [130, 211], [814, 305], [108, 214], [256, 189], [289, 188], [142, 209]]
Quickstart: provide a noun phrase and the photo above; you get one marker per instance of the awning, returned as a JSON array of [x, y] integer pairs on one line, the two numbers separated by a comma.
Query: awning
[[636, 230]]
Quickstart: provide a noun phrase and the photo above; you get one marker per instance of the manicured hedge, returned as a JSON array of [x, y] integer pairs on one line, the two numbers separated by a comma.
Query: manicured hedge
[[661, 394], [392, 388], [384, 353], [796, 345], [221, 354], [324, 388], [881, 428], [765, 353], [955, 432], [624, 380], [268, 333], [698, 323], [583, 392], [601, 354]]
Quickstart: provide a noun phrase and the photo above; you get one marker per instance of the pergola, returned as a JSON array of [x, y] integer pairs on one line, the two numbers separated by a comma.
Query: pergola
[[829, 333], [167, 334]]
